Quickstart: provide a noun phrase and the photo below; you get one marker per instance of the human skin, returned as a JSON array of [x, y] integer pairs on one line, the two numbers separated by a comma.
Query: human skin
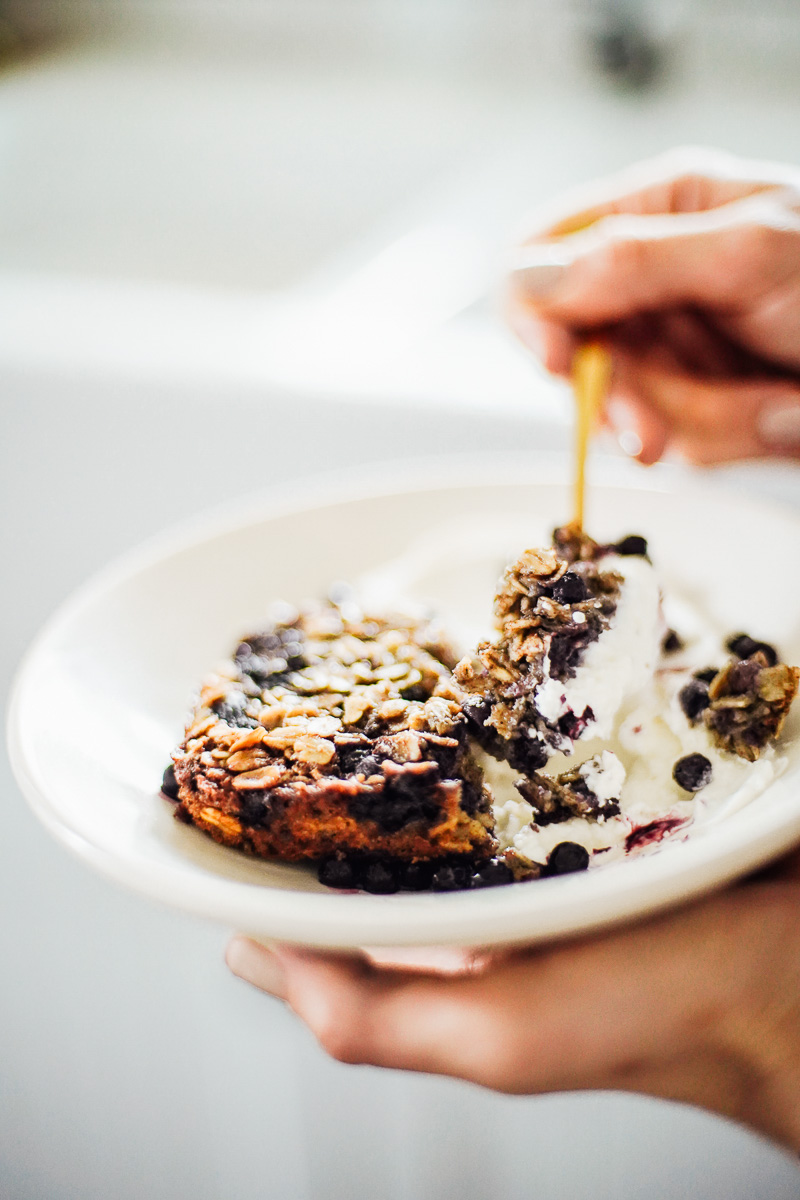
[[692, 277], [688, 268], [701, 1006]]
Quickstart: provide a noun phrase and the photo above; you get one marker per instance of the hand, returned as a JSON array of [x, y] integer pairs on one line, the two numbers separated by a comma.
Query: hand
[[689, 268], [702, 1005]]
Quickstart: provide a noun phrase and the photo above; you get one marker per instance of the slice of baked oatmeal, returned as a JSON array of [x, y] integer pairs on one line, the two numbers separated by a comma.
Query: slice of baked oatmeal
[[331, 732]]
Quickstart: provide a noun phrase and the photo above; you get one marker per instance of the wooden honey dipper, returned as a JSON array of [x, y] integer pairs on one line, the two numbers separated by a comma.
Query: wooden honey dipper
[[591, 375]]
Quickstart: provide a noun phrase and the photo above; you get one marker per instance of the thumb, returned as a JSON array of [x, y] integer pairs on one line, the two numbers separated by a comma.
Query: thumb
[[724, 259]]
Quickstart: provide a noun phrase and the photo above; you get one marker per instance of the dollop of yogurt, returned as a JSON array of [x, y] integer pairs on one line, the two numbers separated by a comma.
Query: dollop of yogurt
[[642, 733], [621, 662]]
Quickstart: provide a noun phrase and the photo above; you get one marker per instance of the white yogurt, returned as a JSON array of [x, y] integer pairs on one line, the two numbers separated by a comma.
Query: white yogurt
[[620, 664], [536, 844], [634, 762], [630, 688], [604, 775]]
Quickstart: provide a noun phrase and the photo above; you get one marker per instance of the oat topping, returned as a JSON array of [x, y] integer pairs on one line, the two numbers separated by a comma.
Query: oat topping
[[558, 798], [744, 704], [322, 683], [573, 544], [550, 606], [748, 703], [349, 717]]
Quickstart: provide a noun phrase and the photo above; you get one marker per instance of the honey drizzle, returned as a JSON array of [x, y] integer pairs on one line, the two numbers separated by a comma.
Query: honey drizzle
[[591, 375]]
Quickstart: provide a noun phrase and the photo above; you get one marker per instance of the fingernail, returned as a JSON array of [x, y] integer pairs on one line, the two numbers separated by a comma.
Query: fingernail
[[539, 279], [626, 426], [539, 268], [779, 424], [257, 965]]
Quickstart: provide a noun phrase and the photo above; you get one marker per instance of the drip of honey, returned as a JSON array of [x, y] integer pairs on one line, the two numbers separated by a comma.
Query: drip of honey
[[591, 375]]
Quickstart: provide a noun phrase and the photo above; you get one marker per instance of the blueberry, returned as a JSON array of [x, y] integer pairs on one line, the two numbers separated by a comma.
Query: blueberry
[[570, 589], [402, 801], [744, 646], [527, 755], [279, 649], [416, 876], [476, 710], [380, 877], [231, 709], [492, 874], [632, 544], [450, 878], [267, 657], [572, 725], [694, 698], [406, 799], [169, 784], [255, 808], [268, 642], [692, 772], [672, 642], [295, 659], [741, 644], [567, 857], [366, 765], [567, 648], [337, 873], [707, 674]]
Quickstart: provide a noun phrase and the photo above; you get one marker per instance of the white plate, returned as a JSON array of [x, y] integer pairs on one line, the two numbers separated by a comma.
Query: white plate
[[100, 698]]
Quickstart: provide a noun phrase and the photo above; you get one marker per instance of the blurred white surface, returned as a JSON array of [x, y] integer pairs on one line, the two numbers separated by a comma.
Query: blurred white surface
[[172, 211], [195, 244]]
